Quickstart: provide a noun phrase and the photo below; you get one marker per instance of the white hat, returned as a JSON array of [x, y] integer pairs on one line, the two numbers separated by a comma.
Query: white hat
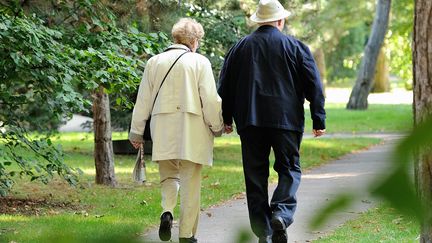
[[269, 11]]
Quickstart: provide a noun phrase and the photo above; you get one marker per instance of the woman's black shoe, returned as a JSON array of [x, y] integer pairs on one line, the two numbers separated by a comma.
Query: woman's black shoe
[[188, 240], [165, 226]]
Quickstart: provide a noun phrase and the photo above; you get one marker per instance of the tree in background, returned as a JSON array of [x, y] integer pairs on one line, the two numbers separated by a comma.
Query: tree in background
[[381, 79], [160, 13], [110, 63], [422, 62], [363, 84], [86, 51], [335, 31]]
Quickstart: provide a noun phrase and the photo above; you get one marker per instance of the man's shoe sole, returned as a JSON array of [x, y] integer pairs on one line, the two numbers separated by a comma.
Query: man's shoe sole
[[277, 224], [279, 237], [279, 231]]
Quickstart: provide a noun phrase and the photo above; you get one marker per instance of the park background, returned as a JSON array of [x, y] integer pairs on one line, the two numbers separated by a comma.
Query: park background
[[86, 57]]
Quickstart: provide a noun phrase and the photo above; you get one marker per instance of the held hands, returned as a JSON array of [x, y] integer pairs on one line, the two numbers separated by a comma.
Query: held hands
[[318, 133], [228, 129]]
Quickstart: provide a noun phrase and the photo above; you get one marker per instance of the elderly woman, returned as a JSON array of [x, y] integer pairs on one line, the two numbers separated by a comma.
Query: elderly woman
[[186, 115]]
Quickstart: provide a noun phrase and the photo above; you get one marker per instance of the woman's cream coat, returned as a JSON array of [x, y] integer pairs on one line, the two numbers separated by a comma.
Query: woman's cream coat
[[187, 111]]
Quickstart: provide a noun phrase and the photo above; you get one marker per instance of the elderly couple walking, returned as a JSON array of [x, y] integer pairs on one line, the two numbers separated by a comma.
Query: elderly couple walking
[[263, 85]]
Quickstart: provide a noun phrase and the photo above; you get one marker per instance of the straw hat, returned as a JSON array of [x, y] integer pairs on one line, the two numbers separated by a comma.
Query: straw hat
[[269, 11]]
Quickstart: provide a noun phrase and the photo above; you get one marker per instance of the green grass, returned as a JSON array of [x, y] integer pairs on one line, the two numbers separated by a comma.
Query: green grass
[[381, 224], [377, 118], [125, 212]]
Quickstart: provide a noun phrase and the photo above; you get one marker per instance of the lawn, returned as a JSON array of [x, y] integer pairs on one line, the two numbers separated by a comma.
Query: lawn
[[101, 214], [376, 119], [380, 224]]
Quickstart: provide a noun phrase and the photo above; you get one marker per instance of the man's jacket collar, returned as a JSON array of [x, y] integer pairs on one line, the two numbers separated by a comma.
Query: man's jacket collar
[[267, 28]]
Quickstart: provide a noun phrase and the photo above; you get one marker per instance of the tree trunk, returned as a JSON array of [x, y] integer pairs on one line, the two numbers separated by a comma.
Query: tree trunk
[[381, 79], [320, 61], [362, 87], [103, 151], [422, 66]]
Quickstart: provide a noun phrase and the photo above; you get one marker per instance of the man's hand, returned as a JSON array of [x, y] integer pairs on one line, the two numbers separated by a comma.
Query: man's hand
[[318, 133], [136, 145], [228, 129]]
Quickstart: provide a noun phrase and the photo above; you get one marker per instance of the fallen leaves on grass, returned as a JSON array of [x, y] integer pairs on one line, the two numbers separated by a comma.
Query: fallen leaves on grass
[[28, 206], [215, 184]]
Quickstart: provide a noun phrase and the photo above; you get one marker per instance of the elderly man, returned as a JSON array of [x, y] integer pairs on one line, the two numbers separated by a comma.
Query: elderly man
[[263, 85]]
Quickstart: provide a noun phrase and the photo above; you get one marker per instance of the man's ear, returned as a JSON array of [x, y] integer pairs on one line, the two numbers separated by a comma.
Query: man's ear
[[280, 24]]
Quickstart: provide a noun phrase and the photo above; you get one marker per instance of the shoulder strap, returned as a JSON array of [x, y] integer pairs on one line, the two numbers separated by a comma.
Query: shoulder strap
[[163, 80]]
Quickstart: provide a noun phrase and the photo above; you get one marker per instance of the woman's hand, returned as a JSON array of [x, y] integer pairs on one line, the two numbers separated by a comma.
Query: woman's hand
[[136, 145]]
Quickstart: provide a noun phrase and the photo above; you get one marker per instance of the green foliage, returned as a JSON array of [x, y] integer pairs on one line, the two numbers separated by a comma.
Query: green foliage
[[342, 63], [222, 30], [46, 69], [45, 159], [34, 70], [400, 40], [106, 54], [111, 56]]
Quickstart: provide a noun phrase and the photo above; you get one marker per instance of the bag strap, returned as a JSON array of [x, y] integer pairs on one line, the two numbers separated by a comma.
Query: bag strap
[[163, 80]]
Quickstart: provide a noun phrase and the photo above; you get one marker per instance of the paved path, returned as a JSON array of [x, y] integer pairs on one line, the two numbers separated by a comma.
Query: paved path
[[348, 174]]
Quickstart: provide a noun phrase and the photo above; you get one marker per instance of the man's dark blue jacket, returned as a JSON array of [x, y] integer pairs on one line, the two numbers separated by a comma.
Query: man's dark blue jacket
[[265, 79]]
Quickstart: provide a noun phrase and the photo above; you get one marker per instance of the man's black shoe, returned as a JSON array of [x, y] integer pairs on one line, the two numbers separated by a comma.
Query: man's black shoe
[[279, 230], [265, 239], [165, 226], [188, 240]]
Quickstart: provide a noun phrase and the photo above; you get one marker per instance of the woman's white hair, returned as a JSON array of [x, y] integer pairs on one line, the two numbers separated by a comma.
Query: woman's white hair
[[186, 31]]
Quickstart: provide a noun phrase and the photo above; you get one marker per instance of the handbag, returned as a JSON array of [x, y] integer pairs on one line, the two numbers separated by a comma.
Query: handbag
[[147, 133]]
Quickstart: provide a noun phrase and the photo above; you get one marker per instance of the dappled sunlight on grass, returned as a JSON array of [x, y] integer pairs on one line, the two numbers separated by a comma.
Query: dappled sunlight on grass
[[117, 171], [236, 168], [85, 136], [324, 143], [227, 140], [377, 118], [122, 170], [13, 218]]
